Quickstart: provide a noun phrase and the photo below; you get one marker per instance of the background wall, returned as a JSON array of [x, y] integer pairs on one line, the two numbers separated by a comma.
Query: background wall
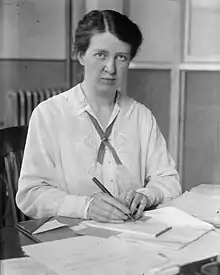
[[32, 45]]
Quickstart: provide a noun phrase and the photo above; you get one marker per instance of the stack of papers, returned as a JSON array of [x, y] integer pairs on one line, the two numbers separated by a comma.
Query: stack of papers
[[93, 255], [183, 229]]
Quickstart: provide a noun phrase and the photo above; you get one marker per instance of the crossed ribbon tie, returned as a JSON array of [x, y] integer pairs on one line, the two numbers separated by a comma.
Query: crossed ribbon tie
[[104, 140]]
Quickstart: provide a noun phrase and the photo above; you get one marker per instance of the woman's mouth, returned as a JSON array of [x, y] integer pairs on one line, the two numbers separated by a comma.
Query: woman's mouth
[[109, 80]]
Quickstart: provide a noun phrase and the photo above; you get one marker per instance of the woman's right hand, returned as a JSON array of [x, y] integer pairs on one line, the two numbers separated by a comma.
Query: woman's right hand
[[104, 208]]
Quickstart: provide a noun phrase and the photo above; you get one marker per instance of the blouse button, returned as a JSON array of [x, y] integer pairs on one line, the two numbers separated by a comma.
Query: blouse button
[[83, 103]]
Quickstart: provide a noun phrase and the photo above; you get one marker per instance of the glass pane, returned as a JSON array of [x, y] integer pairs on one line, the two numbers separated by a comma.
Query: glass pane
[[32, 29], [204, 31]]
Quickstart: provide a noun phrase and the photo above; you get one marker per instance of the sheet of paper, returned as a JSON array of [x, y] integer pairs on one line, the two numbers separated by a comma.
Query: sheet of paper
[[96, 256], [177, 218], [50, 225], [199, 205], [174, 239], [24, 266], [146, 226], [83, 229], [211, 190], [185, 229], [206, 246]]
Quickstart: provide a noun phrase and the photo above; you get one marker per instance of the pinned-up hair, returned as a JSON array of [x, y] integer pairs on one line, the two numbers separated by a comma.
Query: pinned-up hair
[[100, 21]]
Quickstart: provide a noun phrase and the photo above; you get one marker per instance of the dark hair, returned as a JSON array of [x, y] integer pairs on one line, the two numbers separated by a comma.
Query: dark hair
[[100, 21]]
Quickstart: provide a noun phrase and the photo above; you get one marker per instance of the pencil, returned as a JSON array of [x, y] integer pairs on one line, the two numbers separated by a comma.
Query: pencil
[[105, 190]]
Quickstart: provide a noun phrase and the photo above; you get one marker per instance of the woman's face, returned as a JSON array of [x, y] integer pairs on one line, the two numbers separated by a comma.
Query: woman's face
[[105, 62]]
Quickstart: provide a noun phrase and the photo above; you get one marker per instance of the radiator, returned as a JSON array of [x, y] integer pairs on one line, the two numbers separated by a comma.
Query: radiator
[[21, 103]]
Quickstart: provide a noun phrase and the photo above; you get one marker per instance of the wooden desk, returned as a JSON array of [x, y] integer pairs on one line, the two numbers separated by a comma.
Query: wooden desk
[[11, 241]]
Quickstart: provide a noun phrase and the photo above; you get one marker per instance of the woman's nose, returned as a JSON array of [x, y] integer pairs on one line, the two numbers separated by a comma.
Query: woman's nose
[[110, 66]]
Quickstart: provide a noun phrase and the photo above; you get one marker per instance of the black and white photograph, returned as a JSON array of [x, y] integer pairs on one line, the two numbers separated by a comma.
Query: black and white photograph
[[110, 137]]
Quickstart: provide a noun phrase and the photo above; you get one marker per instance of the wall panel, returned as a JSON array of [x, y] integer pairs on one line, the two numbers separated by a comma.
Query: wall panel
[[33, 29], [201, 142], [159, 21], [152, 88]]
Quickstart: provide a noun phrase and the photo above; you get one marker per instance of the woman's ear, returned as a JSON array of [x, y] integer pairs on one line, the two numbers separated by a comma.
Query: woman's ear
[[80, 57]]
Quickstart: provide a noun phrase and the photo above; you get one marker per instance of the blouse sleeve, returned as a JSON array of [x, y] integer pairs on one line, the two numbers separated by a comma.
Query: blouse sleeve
[[38, 193], [162, 179]]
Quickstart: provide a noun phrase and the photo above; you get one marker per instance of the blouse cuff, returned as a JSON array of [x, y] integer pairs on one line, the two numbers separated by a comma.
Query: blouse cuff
[[72, 206], [86, 211]]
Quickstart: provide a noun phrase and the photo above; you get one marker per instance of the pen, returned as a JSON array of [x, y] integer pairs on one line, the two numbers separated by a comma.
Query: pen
[[105, 190]]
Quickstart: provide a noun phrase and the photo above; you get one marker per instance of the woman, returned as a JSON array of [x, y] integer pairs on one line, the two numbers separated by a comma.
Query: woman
[[92, 130]]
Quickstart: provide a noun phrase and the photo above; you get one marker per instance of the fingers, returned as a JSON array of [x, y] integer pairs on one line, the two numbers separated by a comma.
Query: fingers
[[139, 199], [98, 218], [139, 211], [107, 209], [129, 197], [138, 202], [104, 209], [117, 204]]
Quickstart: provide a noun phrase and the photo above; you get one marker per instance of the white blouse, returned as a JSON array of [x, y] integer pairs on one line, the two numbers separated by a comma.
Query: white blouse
[[60, 157]]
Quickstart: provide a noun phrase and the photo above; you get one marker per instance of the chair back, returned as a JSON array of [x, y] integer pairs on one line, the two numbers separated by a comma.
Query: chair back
[[12, 142], [3, 202]]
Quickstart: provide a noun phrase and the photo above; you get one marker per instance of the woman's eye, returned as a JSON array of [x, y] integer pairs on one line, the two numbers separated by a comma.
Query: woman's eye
[[100, 55], [122, 58]]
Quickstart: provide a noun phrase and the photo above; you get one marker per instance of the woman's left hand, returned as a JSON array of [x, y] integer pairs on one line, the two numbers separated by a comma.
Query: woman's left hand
[[137, 202]]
